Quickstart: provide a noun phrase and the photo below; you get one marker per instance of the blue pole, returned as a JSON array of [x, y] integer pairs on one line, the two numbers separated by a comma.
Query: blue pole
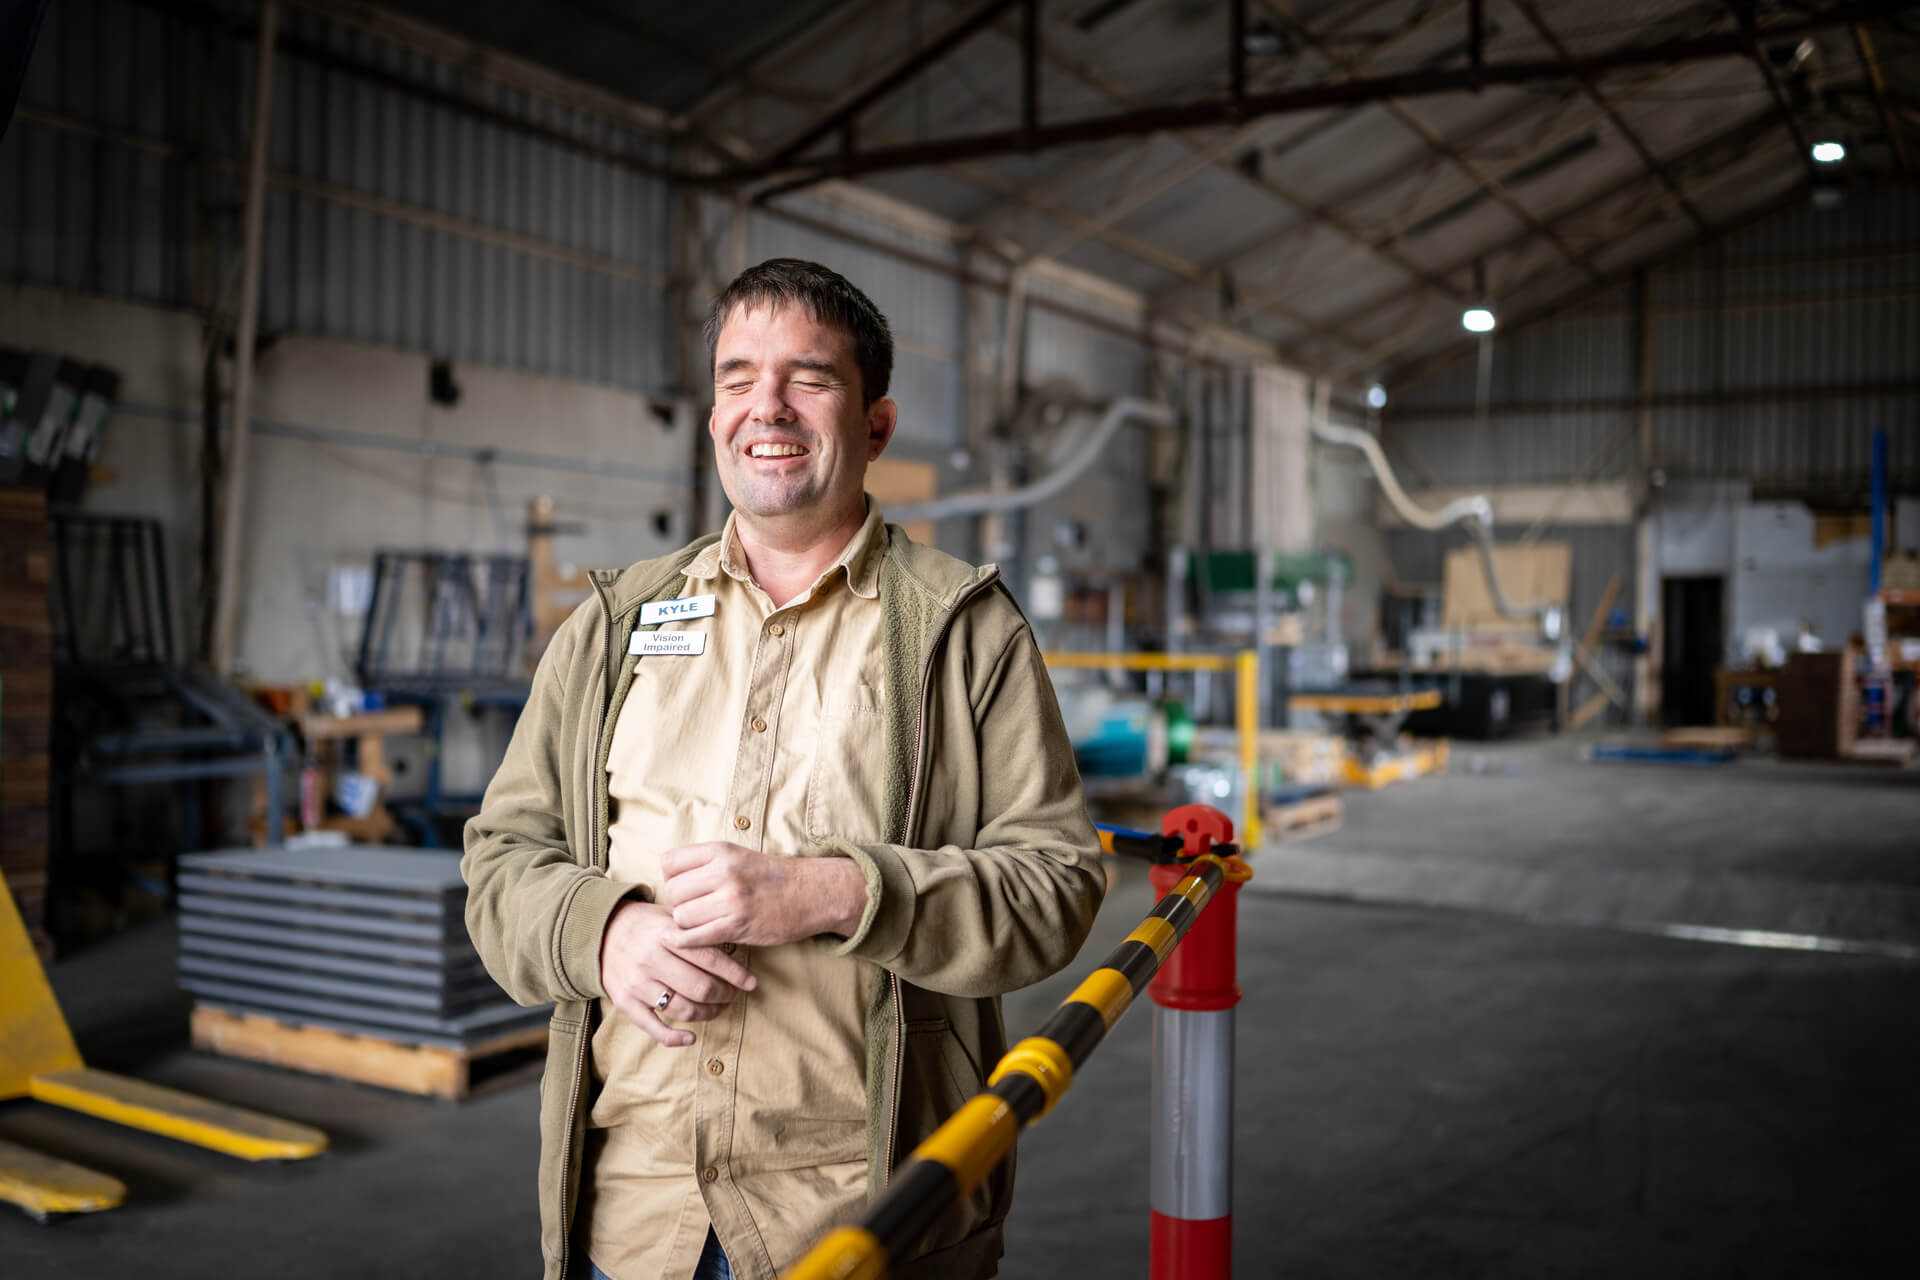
[[1879, 505]]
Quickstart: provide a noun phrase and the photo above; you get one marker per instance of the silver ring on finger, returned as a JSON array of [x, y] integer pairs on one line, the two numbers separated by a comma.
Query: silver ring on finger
[[665, 999]]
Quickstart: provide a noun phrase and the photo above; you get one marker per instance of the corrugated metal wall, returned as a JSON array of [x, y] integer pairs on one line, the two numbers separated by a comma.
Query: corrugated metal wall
[[390, 218], [1776, 353], [921, 304]]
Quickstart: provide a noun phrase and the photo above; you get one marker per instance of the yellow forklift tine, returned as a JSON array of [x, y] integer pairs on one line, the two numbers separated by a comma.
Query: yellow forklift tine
[[173, 1114], [44, 1186]]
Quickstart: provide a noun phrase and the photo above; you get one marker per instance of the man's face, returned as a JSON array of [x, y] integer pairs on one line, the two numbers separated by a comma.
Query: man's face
[[789, 431]]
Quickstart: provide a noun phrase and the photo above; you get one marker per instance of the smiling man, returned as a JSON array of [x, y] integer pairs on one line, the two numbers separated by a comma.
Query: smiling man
[[787, 813]]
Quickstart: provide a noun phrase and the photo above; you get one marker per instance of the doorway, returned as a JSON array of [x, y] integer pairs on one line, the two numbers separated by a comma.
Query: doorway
[[1692, 646]]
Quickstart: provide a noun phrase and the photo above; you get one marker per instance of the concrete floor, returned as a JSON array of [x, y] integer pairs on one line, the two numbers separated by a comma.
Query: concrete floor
[[1422, 1092]]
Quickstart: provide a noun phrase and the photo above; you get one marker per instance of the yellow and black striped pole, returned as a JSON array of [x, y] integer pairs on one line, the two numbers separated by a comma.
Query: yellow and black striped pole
[[1028, 1081]]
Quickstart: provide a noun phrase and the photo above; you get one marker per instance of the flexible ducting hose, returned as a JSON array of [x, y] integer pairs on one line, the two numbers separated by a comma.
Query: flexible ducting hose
[[1475, 509], [977, 502]]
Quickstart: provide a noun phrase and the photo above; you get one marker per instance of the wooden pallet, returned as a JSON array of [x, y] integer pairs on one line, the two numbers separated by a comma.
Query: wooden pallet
[[1304, 819], [1419, 758], [391, 1064], [1709, 738]]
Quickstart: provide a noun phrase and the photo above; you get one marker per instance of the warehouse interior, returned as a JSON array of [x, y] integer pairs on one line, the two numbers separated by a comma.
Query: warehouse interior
[[1474, 445]]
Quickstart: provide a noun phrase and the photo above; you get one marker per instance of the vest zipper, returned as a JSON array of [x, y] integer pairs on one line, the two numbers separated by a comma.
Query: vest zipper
[[595, 828], [913, 798]]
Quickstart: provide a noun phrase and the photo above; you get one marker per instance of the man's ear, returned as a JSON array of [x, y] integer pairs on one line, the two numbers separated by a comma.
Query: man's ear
[[883, 415]]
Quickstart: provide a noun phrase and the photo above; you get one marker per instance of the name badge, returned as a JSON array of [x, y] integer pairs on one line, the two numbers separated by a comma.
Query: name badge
[[648, 643], [674, 610]]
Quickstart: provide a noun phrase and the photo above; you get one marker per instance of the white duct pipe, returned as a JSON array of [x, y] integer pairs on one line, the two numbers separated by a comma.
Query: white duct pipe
[[1474, 509], [981, 501]]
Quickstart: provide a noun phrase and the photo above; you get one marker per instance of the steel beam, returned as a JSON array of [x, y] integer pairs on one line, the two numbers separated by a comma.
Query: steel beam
[[785, 167], [1531, 12], [1743, 14], [1207, 152], [1870, 63], [1430, 365], [1475, 77], [1809, 394], [879, 87], [703, 113], [1740, 135], [1251, 304], [1030, 66], [234, 509], [514, 72]]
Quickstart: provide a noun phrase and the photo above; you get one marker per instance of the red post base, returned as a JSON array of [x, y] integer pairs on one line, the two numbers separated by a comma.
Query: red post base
[[1189, 1248]]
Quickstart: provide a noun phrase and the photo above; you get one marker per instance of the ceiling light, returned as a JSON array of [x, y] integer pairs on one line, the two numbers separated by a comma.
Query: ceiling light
[[1477, 320], [1376, 396], [1829, 152]]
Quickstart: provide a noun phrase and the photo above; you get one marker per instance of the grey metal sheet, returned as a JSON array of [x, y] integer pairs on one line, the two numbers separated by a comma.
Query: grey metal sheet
[[427, 871], [448, 955], [455, 978], [442, 931], [372, 903], [286, 1004], [361, 1027], [447, 1003]]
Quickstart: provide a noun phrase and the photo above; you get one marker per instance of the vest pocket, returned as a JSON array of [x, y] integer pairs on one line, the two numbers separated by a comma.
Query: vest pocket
[[938, 1078], [847, 780]]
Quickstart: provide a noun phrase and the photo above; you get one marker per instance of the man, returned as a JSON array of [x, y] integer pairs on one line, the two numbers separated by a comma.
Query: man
[[787, 812]]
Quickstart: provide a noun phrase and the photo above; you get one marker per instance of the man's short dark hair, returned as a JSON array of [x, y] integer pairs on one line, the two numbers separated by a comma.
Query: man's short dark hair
[[832, 300]]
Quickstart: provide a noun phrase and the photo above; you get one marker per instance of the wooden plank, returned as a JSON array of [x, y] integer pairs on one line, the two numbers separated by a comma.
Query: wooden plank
[[1366, 703], [1305, 819], [1898, 752], [1585, 659], [386, 720], [1541, 574], [410, 1068], [1588, 710], [1709, 737], [898, 482], [1598, 622]]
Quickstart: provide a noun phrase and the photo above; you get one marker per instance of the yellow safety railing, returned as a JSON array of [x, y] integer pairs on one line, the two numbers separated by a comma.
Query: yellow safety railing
[[1245, 668], [1032, 1077]]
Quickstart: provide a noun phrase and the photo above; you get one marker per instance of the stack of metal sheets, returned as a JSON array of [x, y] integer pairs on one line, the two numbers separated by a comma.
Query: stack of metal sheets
[[357, 938]]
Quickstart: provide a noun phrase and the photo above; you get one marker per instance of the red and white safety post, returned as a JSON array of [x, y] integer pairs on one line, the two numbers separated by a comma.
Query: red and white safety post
[[1194, 994]]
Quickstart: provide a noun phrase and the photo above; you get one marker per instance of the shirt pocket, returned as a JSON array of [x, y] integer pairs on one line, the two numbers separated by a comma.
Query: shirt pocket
[[846, 782]]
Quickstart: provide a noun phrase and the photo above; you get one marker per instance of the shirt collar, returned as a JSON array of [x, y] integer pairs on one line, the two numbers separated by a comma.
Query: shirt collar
[[860, 558]]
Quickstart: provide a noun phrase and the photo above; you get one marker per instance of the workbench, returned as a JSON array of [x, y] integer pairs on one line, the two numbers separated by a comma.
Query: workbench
[[1370, 718]]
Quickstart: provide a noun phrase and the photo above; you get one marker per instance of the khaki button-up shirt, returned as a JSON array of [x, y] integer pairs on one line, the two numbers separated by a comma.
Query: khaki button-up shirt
[[770, 739]]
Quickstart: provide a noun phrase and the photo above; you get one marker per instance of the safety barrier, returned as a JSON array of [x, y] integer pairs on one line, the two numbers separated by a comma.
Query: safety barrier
[[1193, 989], [1245, 667]]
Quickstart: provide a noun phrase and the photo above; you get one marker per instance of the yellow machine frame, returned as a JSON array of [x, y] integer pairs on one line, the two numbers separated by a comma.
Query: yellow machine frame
[[1245, 668]]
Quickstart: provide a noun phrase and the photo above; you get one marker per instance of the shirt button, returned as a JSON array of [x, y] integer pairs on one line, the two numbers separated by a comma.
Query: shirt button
[[715, 1066], [759, 725], [742, 822], [776, 630], [709, 1174]]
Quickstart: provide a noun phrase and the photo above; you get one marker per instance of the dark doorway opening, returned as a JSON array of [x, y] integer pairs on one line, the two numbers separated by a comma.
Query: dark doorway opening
[[1693, 645]]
